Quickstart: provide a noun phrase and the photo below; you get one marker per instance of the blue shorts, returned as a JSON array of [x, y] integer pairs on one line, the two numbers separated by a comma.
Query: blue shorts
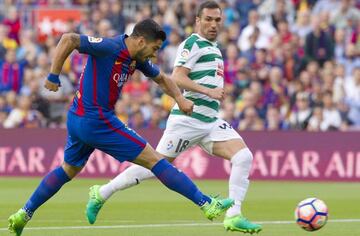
[[109, 135]]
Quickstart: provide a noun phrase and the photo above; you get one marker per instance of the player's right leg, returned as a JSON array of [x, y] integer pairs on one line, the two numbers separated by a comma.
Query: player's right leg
[[76, 154], [48, 187]]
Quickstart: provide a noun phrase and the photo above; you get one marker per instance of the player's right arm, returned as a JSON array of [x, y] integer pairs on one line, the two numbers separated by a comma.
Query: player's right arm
[[98, 47], [66, 45], [185, 60], [180, 76]]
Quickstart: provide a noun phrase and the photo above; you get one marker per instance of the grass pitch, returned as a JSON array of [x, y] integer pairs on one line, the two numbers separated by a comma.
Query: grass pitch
[[151, 209]]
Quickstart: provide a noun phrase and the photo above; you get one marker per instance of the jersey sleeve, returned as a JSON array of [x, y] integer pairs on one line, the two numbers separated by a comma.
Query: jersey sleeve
[[186, 56], [148, 68], [97, 46]]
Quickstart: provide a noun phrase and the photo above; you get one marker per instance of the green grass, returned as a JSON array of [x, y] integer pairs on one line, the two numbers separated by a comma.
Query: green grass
[[151, 209]]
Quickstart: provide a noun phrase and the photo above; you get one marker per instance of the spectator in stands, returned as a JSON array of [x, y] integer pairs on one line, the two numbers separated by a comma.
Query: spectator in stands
[[345, 13], [249, 53], [227, 112], [316, 120], [318, 44], [274, 10], [331, 116], [325, 6], [229, 13], [5, 42], [266, 31], [338, 86], [23, 116], [351, 59], [11, 72], [28, 49], [340, 44], [170, 51], [302, 26], [136, 87], [352, 97], [137, 120], [230, 68], [274, 120], [301, 113], [275, 93], [13, 22], [158, 117], [251, 120]]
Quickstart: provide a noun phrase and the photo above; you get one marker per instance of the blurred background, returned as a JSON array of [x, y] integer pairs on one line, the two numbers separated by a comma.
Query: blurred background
[[292, 80], [289, 64]]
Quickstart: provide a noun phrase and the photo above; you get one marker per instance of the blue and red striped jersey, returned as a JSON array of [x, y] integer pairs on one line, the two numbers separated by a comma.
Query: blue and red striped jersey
[[108, 67]]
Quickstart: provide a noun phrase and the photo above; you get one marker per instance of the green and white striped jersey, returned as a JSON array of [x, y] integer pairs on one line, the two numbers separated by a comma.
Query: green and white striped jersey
[[205, 61]]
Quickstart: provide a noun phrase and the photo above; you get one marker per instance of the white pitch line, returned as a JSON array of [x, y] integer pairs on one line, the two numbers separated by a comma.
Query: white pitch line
[[166, 225]]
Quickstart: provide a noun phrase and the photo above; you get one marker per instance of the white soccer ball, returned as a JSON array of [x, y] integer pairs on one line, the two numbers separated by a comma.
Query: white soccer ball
[[311, 214]]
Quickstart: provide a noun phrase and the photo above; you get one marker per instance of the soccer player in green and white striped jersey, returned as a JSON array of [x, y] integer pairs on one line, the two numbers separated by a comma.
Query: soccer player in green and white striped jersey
[[199, 70]]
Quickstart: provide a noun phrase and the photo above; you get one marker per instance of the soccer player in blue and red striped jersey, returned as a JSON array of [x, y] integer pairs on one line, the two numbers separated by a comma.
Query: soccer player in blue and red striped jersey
[[92, 123]]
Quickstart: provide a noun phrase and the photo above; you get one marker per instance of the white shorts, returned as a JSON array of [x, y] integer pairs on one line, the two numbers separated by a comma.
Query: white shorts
[[183, 132]]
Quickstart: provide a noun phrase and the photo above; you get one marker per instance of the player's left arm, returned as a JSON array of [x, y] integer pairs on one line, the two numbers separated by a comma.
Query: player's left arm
[[167, 85], [170, 88]]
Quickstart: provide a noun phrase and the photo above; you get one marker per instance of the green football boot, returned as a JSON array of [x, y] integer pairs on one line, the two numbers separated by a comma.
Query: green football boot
[[241, 224], [18, 221], [94, 204], [216, 207]]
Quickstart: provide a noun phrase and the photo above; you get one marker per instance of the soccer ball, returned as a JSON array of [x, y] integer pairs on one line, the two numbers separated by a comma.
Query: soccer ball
[[311, 214]]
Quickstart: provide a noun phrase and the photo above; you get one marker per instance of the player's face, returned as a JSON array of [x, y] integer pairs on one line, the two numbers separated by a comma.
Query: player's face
[[148, 49], [209, 23]]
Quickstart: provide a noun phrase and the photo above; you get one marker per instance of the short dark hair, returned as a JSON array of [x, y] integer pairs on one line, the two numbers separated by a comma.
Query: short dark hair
[[209, 5], [149, 29]]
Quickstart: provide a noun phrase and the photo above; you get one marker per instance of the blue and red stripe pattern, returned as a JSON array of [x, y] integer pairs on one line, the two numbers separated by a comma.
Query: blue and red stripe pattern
[[93, 121], [109, 66]]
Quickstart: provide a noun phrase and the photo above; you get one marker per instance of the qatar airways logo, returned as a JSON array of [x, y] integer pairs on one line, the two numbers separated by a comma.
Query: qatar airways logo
[[120, 79]]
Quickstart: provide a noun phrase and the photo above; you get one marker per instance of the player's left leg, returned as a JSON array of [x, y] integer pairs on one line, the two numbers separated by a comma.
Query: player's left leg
[[241, 157], [177, 138], [225, 142]]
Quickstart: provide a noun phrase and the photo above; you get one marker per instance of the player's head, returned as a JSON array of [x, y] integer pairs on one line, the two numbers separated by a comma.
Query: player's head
[[208, 20], [148, 36]]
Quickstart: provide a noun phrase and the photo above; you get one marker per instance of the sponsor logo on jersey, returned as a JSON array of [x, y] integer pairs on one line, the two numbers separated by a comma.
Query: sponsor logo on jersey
[[120, 79], [220, 70], [94, 39]]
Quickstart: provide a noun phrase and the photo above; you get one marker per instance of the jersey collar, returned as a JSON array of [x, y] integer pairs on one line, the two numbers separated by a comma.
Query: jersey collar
[[215, 44], [123, 37]]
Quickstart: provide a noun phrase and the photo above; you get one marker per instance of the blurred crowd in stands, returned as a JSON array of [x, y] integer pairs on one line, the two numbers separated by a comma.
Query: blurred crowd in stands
[[289, 64]]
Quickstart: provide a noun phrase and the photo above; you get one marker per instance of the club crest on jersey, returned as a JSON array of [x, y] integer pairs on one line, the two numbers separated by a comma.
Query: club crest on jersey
[[184, 53], [132, 66], [120, 79], [169, 145], [94, 39]]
